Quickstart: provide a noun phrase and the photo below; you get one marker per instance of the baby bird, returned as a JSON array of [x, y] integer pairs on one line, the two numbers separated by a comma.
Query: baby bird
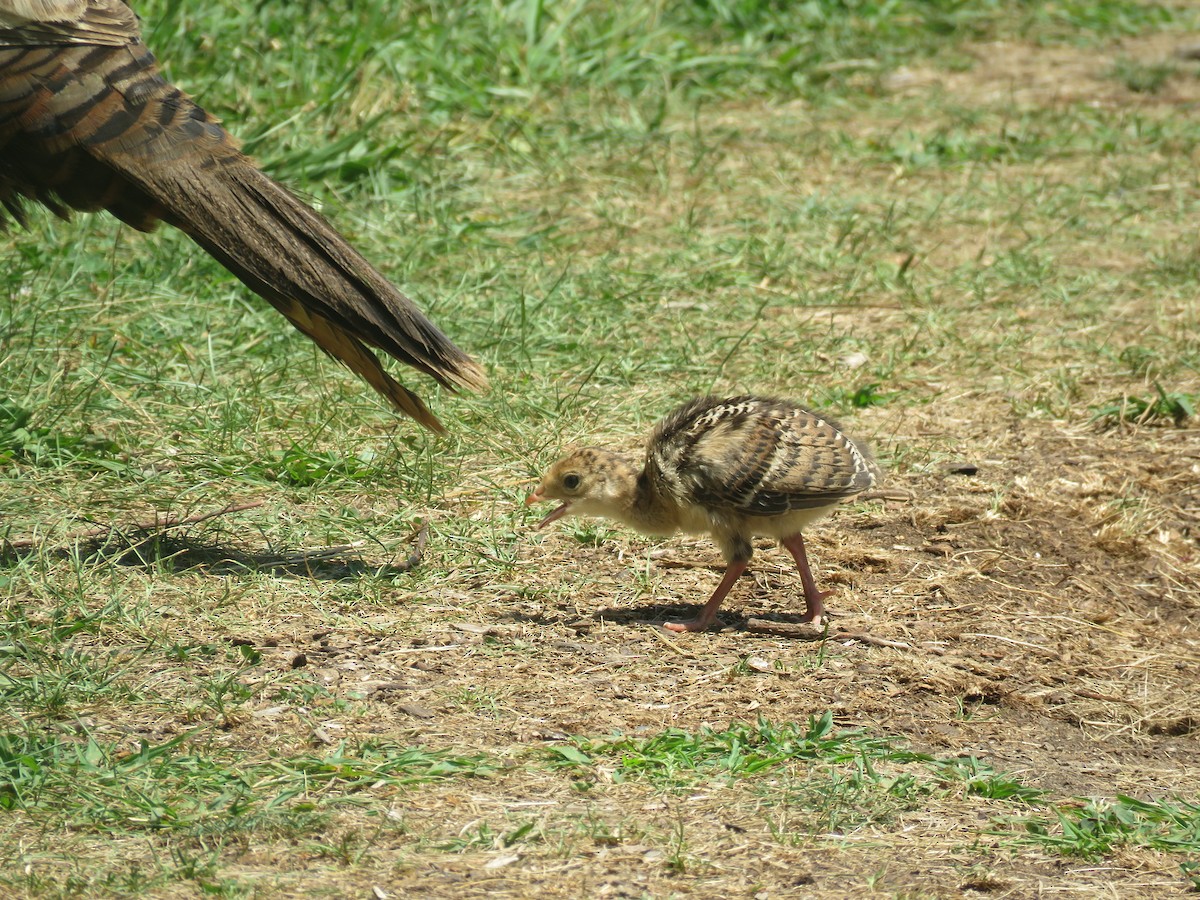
[[733, 468]]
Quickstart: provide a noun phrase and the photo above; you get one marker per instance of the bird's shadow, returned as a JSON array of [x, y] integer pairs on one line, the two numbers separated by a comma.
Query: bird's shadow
[[658, 614], [177, 553]]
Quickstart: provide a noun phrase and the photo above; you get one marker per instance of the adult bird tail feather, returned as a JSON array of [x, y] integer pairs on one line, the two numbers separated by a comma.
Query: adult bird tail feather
[[288, 254], [87, 122]]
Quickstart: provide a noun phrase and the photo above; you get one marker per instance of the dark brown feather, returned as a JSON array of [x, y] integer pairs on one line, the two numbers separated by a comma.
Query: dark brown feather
[[88, 123]]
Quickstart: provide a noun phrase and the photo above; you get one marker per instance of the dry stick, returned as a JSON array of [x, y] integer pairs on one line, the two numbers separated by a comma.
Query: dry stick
[[158, 522], [806, 630], [414, 558], [670, 643], [896, 495], [1107, 698]]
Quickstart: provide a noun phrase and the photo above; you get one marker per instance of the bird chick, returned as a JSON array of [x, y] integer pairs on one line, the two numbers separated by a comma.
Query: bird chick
[[732, 468]]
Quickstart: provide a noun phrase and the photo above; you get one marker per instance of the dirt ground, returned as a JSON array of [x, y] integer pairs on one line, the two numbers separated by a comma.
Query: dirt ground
[[1034, 603]]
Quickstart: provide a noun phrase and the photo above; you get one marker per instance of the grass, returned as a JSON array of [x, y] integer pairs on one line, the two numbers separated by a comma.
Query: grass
[[1170, 405], [835, 781], [1098, 827], [166, 787], [815, 779], [617, 207], [197, 802]]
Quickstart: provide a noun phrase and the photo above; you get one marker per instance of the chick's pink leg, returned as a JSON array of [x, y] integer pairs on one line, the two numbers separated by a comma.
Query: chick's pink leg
[[813, 598], [705, 619]]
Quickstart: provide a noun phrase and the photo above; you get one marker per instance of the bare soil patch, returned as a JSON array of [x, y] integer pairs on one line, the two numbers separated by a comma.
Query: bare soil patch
[[1027, 76], [1045, 611]]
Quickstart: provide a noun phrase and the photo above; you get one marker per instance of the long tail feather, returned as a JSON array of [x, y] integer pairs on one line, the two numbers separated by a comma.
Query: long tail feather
[[88, 126]]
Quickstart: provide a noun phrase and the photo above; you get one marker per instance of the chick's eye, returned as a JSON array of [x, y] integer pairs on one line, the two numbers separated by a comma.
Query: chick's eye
[[571, 482]]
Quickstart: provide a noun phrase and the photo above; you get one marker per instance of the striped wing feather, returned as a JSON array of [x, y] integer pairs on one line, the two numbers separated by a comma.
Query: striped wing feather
[[27, 23], [757, 457]]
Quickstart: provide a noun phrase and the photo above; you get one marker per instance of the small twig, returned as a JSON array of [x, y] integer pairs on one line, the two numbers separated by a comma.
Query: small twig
[[806, 630], [670, 643], [419, 542], [868, 638], [175, 521], [1106, 698], [1036, 648], [441, 648], [158, 523], [786, 629], [897, 495]]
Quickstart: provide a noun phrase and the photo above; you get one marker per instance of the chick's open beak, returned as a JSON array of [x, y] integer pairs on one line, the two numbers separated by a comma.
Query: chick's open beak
[[536, 497]]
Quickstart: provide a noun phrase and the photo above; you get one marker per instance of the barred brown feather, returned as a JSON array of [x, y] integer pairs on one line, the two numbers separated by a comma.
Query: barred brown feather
[[87, 122], [758, 456]]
